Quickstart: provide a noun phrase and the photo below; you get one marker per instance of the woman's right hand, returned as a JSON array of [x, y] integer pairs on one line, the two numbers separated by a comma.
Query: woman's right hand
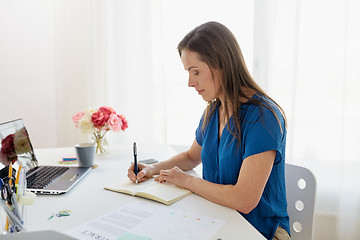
[[145, 172]]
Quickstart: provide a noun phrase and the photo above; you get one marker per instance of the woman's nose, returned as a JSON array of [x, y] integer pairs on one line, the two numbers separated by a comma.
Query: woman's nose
[[191, 83]]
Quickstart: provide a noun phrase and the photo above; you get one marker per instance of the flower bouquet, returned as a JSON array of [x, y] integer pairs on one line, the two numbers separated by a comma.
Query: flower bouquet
[[98, 121], [15, 146]]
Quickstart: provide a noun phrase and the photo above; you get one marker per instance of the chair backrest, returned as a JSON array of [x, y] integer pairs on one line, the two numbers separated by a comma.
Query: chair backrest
[[300, 194]]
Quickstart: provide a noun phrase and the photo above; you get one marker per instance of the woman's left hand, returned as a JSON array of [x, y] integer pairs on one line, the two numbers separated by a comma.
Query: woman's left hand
[[175, 176]]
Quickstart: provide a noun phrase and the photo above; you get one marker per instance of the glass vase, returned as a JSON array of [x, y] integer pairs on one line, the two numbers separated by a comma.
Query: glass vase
[[98, 138]]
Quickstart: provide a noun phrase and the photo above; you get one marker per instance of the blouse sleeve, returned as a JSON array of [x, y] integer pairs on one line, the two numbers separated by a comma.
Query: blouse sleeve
[[262, 133]]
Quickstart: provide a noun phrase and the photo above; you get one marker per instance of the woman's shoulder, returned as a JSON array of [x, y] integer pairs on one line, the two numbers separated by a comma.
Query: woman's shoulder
[[261, 105]]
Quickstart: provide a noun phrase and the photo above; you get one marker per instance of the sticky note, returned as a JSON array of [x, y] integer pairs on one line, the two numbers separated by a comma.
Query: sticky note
[[131, 236], [69, 158]]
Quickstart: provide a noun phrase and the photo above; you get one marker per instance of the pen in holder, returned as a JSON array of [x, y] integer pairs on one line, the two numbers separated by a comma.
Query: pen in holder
[[24, 198], [14, 198]]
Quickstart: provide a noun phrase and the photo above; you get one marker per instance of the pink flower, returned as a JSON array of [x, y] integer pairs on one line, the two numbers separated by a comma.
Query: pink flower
[[124, 122], [107, 110], [76, 118], [99, 120], [8, 150], [115, 123], [3, 159], [7, 145], [101, 117]]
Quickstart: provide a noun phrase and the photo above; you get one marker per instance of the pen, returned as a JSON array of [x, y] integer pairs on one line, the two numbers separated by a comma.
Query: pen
[[10, 175], [135, 162], [11, 217], [21, 190], [17, 180]]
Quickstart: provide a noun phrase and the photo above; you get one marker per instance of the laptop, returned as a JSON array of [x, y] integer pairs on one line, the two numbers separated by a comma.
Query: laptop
[[16, 146]]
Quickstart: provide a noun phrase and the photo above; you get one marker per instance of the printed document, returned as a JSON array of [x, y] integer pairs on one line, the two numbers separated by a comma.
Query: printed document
[[141, 220]]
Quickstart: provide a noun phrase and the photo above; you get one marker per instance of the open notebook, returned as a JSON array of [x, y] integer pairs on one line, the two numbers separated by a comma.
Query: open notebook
[[16, 146], [166, 193]]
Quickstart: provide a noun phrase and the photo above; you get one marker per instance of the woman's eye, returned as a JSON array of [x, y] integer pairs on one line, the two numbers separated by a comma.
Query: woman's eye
[[196, 73]]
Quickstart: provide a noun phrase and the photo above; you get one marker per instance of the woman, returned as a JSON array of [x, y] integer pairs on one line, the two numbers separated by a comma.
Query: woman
[[240, 139]]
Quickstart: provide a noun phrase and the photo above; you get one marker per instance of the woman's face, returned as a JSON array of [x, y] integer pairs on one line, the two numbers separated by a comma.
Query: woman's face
[[200, 76]]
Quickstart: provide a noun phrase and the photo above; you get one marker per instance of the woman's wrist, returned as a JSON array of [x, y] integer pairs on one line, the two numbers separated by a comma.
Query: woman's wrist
[[190, 182], [154, 169]]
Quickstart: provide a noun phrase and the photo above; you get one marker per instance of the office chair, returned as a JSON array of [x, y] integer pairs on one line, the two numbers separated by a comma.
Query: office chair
[[300, 194]]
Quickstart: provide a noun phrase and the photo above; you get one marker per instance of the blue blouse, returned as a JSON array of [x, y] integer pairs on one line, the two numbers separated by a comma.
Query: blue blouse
[[221, 160]]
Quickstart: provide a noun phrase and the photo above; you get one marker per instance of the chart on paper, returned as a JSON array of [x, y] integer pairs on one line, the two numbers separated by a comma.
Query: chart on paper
[[148, 221]]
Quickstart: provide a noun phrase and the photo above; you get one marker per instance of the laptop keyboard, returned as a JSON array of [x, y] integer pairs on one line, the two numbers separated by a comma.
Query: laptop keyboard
[[44, 176]]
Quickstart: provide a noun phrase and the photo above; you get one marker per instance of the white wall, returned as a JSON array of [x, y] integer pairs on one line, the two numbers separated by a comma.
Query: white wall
[[184, 106], [27, 81], [63, 56]]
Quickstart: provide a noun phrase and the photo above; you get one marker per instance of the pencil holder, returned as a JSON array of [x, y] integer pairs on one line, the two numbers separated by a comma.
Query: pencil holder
[[13, 199], [24, 200], [2, 221]]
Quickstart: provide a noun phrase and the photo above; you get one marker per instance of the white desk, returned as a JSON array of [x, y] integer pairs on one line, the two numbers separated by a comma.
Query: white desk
[[88, 199]]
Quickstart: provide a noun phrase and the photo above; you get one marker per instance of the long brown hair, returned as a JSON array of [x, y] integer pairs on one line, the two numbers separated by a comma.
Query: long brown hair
[[218, 48]]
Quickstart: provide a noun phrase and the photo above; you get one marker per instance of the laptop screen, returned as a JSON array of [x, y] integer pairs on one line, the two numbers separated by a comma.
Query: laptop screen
[[15, 145]]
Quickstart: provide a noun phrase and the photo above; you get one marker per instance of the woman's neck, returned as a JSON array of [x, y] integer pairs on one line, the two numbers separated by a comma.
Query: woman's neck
[[248, 93]]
